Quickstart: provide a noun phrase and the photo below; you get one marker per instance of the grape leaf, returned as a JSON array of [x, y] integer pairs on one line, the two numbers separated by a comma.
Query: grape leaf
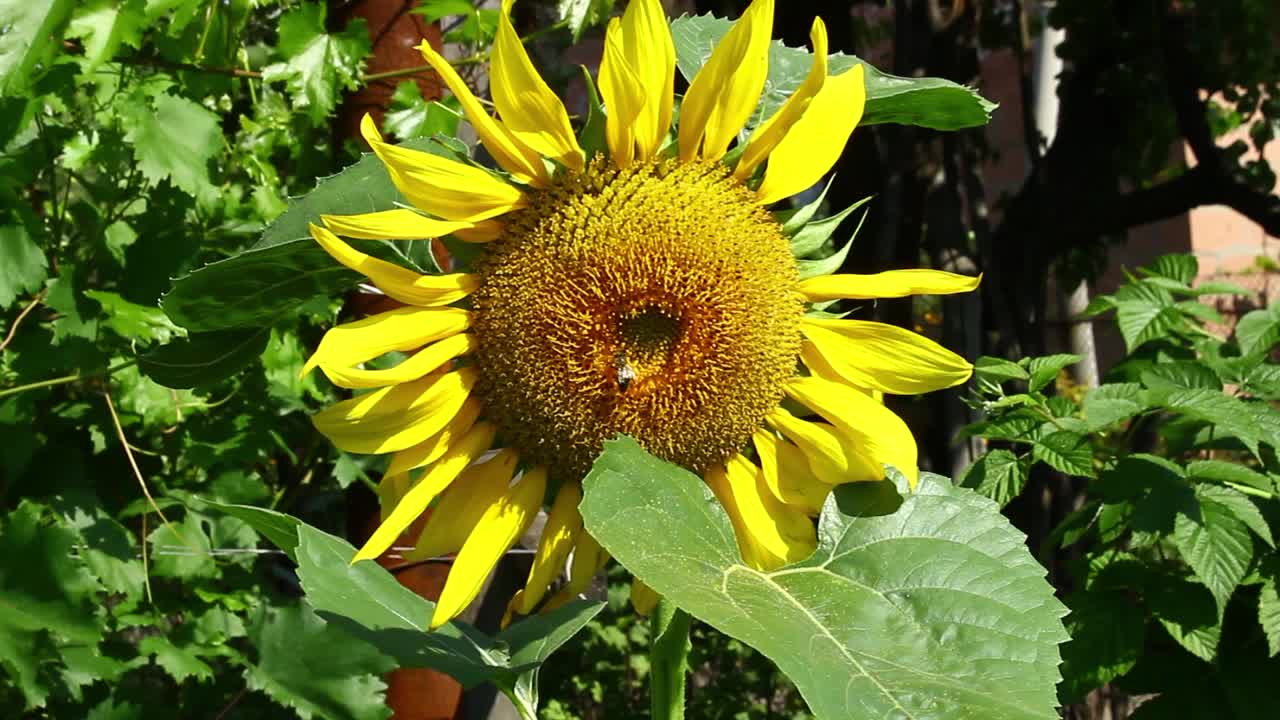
[[23, 267], [173, 138], [318, 65], [33, 31]]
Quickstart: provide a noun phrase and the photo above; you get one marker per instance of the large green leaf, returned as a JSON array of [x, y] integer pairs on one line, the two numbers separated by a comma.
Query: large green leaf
[[23, 266], [203, 358], [318, 65], [998, 475], [1106, 641], [369, 603], [1216, 544], [927, 102], [933, 610], [32, 31], [173, 139]]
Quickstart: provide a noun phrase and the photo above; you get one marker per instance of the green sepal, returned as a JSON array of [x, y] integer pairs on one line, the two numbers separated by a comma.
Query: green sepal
[[810, 238], [831, 263], [592, 138], [794, 220]]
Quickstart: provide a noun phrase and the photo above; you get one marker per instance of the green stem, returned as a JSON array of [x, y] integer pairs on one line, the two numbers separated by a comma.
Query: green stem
[[668, 660], [65, 379]]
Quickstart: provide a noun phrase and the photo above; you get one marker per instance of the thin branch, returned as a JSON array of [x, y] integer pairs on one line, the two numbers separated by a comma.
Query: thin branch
[[124, 442], [13, 329], [65, 379]]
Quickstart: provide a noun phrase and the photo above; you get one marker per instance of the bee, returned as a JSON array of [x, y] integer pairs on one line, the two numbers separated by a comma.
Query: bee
[[624, 373]]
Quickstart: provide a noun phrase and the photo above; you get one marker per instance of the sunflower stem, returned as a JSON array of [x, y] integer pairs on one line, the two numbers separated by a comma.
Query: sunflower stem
[[668, 660]]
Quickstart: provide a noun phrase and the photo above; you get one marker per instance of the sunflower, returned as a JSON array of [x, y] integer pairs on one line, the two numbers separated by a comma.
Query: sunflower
[[645, 290]]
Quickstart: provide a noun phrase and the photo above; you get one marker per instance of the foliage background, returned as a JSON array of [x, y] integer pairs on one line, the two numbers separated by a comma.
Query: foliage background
[[145, 138]]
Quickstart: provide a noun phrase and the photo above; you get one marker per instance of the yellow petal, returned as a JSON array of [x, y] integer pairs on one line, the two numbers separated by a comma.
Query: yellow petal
[[651, 56], [588, 559], [390, 491], [623, 94], [400, 283], [884, 357], [876, 432], [432, 483], [462, 505], [787, 473], [524, 163], [643, 598], [531, 111], [502, 524], [724, 92], [481, 232], [830, 455], [815, 141], [772, 131], [564, 524], [433, 448], [770, 534], [398, 224], [400, 329], [443, 187], [423, 362], [397, 417], [889, 284]]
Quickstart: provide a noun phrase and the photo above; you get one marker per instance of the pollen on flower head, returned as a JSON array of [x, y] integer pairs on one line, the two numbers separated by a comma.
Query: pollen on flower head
[[656, 301]]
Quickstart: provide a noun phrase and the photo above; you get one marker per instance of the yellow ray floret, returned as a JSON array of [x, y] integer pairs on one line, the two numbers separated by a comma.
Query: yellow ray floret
[[770, 534], [889, 284], [426, 360], [814, 143], [787, 473], [564, 524], [419, 497], [830, 455], [588, 559], [400, 329], [724, 92], [397, 417], [882, 357], [643, 598], [650, 56], [503, 522], [433, 448], [443, 187], [397, 224], [463, 504], [873, 429], [624, 95], [400, 283], [523, 162], [772, 131], [531, 110]]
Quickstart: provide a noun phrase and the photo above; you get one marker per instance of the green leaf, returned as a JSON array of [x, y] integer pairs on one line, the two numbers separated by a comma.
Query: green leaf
[[32, 36], [255, 288], [1259, 331], [318, 66], [926, 102], [180, 662], [182, 550], [104, 25], [1111, 403], [1216, 544], [173, 139], [1230, 416], [1106, 630], [1179, 267], [411, 116], [592, 136], [1044, 370], [883, 619], [582, 14], [203, 358], [1180, 375], [832, 262], [813, 236], [1241, 506], [23, 267], [794, 220], [1141, 321], [1229, 472], [1066, 451], [1186, 610], [277, 527], [1269, 614], [132, 321], [994, 370], [307, 664], [997, 475], [368, 602]]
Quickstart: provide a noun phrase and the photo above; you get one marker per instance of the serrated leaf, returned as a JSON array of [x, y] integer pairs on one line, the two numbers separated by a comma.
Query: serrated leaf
[[1269, 614], [203, 358], [1180, 375], [996, 370], [1044, 370], [582, 14], [366, 601], [998, 475], [411, 116], [1216, 545], [23, 267], [132, 321], [917, 613], [33, 32], [1241, 506], [173, 139], [277, 527], [1111, 403], [1229, 472], [1179, 267], [926, 102], [1141, 321], [182, 550], [317, 65], [1066, 451], [180, 662], [104, 25], [1229, 415], [1106, 630], [1219, 287], [1259, 331], [1186, 610], [308, 665]]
